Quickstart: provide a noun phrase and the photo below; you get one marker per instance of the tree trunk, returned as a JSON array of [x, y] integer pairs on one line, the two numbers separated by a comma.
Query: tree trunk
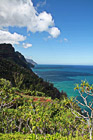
[[20, 124], [90, 132]]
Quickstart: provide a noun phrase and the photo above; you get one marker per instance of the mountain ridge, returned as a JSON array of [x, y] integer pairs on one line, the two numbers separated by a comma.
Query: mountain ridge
[[21, 75], [7, 51]]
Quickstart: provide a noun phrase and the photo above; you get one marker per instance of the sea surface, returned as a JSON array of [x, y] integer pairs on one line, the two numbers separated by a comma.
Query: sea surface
[[64, 77]]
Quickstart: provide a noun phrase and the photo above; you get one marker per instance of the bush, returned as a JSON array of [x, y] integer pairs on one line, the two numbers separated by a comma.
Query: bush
[[57, 136]]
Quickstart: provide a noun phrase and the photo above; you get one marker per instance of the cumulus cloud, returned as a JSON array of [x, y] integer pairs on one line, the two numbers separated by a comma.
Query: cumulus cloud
[[22, 13], [54, 32], [7, 37], [26, 45]]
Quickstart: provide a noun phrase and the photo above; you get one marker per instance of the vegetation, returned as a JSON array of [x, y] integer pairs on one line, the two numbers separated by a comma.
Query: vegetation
[[31, 108], [15, 68], [57, 136], [85, 90], [25, 79], [38, 117]]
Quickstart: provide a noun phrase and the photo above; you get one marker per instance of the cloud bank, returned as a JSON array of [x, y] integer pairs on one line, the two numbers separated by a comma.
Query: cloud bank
[[7, 37], [22, 13]]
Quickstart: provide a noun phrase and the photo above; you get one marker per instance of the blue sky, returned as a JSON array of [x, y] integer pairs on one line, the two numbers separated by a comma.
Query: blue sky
[[61, 34]]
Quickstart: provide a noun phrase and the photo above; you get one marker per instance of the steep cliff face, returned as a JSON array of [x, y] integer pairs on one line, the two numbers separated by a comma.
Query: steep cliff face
[[8, 52]]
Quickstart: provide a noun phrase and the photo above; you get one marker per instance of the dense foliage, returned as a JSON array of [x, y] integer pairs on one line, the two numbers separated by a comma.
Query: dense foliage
[[57, 136], [39, 115]]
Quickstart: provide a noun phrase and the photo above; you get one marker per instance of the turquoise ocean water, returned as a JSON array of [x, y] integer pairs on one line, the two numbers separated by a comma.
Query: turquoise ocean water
[[64, 77]]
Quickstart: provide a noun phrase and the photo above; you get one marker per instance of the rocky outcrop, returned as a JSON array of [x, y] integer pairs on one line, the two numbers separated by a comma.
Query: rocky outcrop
[[6, 50]]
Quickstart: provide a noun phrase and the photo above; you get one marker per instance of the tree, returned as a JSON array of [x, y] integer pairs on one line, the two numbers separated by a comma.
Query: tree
[[85, 90]]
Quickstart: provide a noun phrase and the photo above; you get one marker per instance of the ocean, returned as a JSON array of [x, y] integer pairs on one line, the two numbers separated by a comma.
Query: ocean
[[64, 77]]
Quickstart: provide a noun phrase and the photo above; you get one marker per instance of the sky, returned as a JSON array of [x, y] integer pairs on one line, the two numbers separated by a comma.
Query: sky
[[49, 31]]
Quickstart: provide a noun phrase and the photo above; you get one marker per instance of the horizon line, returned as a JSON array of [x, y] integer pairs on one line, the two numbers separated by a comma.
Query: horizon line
[[68, 64]]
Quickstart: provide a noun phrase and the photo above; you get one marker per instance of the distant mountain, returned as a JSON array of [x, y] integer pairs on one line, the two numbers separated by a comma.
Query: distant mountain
[[8, 52], [31, 61]]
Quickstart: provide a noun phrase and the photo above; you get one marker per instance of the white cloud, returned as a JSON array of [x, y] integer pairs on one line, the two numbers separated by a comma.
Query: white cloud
[[22, 13], [26, 45], [44, 21], [7, 37], [54, 32]]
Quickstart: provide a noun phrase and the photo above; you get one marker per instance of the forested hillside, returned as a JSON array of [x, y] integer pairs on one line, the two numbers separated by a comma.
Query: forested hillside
[[16, 70]]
